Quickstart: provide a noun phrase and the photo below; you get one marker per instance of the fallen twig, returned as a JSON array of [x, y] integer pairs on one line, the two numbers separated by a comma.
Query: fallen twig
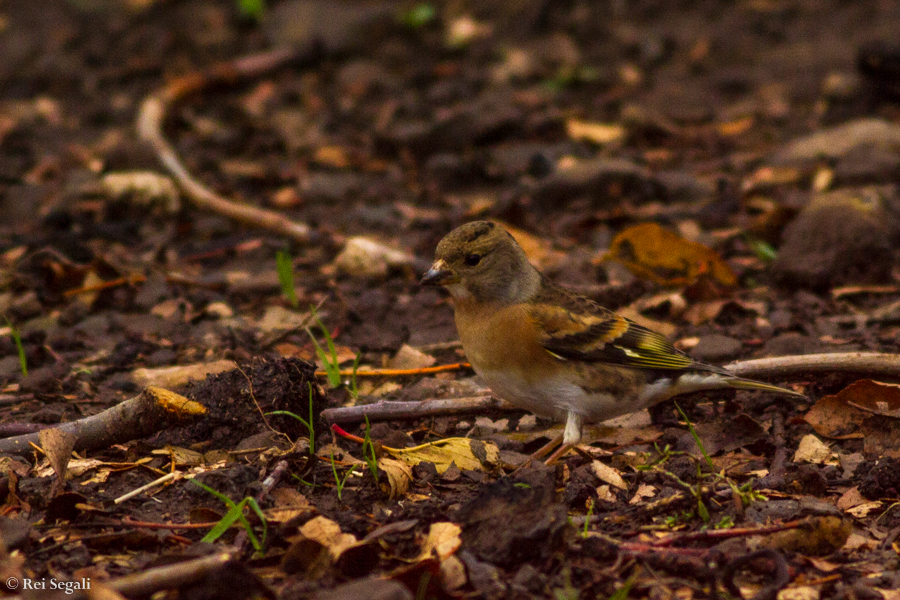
[[715, 535], [151, 411], [387, 410], [150, 120], [143, 488], [870, 363]]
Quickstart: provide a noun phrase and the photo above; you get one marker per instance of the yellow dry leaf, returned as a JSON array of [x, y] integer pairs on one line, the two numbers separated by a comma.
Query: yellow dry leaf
[[812, 450], [399, 476], [329, 534], [443, 540], [469, 455], [332, 156], [656, 254], [597, 133], [609, 475], [735, 128]]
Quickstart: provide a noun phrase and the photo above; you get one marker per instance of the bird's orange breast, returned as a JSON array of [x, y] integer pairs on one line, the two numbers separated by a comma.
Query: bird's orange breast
[[503, 339]]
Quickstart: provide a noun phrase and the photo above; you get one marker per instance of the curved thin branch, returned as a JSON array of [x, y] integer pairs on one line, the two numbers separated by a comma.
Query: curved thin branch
[[152, 114], [388, 410]]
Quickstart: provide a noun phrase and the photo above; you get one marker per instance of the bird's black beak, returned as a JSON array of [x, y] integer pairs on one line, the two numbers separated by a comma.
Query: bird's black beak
[[438, 274]]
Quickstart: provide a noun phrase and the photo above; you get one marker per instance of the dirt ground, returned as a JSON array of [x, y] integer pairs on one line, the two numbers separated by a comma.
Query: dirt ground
[[763, 137]]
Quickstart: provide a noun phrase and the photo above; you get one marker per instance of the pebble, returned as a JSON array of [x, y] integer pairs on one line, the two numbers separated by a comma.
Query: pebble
[[10, 368], [364, 257], [868, 164], [336, 27], [840, 237], [44, 379]]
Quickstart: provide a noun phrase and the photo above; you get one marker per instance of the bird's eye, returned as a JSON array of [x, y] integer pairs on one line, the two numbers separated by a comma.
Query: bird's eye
[[472, 260]]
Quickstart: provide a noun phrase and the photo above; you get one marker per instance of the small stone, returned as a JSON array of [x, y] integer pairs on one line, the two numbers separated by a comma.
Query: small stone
[[10, 368], [408, 357], [840, 237], [715, 348], [153, 291], [219, 310], [868, 164], [365, 257], [336, 27], [44, 380], [25, 306], [278, 318]]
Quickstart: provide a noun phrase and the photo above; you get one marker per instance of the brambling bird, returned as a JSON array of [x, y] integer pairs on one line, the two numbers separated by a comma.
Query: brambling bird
[[552, 352]]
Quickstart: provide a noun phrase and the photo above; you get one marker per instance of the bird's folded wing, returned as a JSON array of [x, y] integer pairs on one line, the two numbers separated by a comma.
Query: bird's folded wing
[[575, 328]]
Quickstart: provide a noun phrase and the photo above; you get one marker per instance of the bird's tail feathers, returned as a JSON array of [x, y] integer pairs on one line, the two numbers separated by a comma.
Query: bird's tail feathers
[[740, 383]]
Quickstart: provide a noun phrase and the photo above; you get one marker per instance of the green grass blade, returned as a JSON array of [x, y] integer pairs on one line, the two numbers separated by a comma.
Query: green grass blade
[[285, 268]]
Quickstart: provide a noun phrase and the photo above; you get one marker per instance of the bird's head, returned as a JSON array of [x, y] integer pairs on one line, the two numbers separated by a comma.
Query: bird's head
[[482, 261]]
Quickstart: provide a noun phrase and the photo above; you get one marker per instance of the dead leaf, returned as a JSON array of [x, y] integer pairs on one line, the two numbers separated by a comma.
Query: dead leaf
[[398, 477], [850, 499], [176, 377], [608, 475], [289, 503], [408, 357], [658, 255], [597, 133], [332, 156], [327, 533], [802, 592], [443, 541], [604, 494], [643, 491], [58, 446], [182, 457], [841, 416], [467, 454], [143, 188], [874, 397], [812, 450], [863, 510]]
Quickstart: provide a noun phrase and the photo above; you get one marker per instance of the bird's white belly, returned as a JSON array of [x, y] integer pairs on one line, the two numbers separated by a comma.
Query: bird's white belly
[[555, 397]]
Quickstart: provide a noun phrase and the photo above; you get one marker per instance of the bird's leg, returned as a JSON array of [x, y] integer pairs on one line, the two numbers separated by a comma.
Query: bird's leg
[[559, 453], [571, 436], [541, 453]]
